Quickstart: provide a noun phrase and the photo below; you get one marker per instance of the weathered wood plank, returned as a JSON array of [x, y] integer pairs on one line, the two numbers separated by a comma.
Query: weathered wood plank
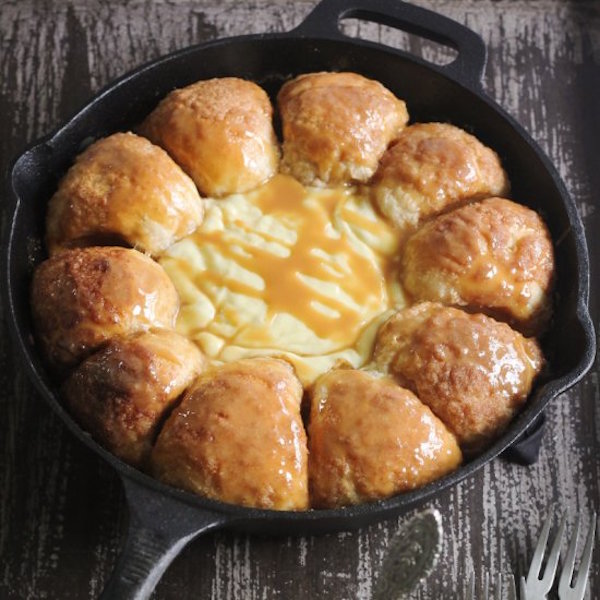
[[61, 510]]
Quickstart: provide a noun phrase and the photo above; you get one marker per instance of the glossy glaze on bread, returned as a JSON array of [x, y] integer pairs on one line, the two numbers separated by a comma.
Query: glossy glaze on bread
[[122, 393], [472, 371], [493, 256], [123, 188], [370, 438], [82, 298], [431, 167], [220, 132], [237, 436], [336, 126]]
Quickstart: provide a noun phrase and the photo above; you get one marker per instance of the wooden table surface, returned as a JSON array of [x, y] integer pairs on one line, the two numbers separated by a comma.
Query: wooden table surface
[[62, 511]]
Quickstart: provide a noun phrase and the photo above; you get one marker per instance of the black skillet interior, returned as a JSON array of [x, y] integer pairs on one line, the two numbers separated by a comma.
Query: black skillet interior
[[450, 94]]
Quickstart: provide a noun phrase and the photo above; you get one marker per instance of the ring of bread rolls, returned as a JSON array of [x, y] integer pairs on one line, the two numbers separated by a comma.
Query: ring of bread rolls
[[444, 379]]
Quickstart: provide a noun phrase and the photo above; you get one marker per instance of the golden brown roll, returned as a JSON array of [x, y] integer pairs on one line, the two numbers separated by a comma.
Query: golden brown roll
[[493, 256], [432, 166], [237, 436], [123, 189], [220, 132], [336, 126], [121, 394], [81, 298], [472, 371], [369, 439]]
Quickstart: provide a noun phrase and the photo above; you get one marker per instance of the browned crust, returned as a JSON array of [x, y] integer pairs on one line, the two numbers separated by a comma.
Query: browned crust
[[81, 298], [121, 394], [493, 256], [432, 166], [472, 371], [370, 439], [122, 187], [336, 126], [237, 436], [220, 132]]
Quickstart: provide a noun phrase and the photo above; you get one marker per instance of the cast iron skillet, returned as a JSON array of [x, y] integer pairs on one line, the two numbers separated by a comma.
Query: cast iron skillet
[[163, 520]]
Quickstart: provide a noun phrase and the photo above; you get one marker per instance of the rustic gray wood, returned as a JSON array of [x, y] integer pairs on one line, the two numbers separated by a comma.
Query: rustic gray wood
[[62, 513]]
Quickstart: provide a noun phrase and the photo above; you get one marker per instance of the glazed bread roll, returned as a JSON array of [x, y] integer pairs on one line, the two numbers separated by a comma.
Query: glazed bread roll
[[493, 256], [432, 166], [472, 371], [121, 394], [370, 439], [81, 298], [336, 126], [123, 190], [220, 132], [237, 436]]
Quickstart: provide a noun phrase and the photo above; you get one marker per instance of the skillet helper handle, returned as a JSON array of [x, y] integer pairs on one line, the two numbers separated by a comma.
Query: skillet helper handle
[[526, 450], [159, 528], [468, 66]]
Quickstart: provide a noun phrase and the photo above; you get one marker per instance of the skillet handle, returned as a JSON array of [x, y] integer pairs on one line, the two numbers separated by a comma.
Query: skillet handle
[[159, 528], [468, 66]]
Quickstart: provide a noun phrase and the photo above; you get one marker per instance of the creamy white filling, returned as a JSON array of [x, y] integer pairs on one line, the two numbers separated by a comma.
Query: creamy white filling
[[305, 274]]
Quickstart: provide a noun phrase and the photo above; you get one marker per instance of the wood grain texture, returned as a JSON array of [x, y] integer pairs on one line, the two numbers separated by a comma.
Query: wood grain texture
[[62, 513]]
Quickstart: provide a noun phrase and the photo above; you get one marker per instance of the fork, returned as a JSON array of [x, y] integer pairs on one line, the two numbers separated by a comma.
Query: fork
[[536, 587], [486, 588], [576, 592]]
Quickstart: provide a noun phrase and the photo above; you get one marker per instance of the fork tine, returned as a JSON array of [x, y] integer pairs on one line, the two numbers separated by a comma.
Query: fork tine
[[538, 555], [523, 589], [567, 571], [498, 590], [511, 588], [586, 558], [552, 561], [486, 586], [584, 567]]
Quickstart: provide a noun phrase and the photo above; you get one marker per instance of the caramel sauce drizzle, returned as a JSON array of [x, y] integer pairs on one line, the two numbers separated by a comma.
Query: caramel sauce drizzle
[[324, 276]]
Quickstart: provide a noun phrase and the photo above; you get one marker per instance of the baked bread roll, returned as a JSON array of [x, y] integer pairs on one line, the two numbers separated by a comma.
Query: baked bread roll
[[472, 371], [237, 436], [121, 394], [336, 126], [123, 190], [432, 166], [370, 439], [493, 256], [81, 298], [220, 132]]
